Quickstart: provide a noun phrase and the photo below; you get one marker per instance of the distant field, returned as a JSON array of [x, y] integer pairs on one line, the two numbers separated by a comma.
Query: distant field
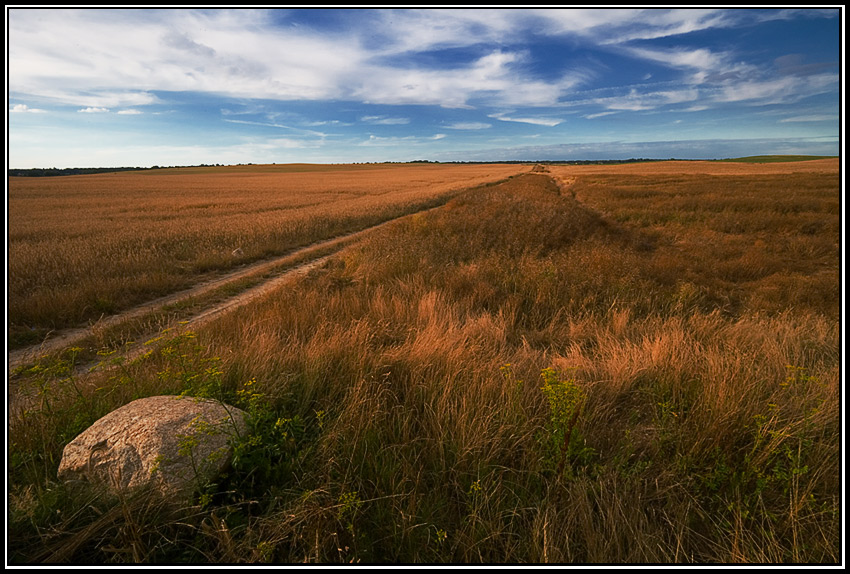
[[762, 236], [778, 158], [825, 165], [86, 245]]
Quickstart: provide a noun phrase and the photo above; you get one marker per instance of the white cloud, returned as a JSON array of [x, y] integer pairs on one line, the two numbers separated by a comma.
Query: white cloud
[[496, 77], [91, 110], [469, 126], [549, 122], [25, 109], [130, 54], [394, 141], [385, 121], [336, 123], [698, 60], [787, 89], [302, 131], [638, 99], [129, 113], [406, 30], [599, 115], [619, 26]]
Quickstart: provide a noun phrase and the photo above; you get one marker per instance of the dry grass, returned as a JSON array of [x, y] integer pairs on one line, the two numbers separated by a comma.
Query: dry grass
[[772, 231], [710, 432], [83, 246]]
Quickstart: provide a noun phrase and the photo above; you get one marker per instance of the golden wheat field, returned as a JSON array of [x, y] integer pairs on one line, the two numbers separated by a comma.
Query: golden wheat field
[[596, 364], [84, 245]]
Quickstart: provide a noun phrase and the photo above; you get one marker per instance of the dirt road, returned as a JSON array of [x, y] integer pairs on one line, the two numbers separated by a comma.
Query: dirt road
[[269, 274]]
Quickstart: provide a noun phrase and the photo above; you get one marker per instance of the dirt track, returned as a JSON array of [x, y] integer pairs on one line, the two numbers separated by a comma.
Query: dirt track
[[294, 264]]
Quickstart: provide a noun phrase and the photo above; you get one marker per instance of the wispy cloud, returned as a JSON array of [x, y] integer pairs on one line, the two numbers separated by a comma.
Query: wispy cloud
[[638, 99], [317, 123], [496, 78], [92, 110], [537, 121], [469, 126], [599, 115], [700, 59], [815, 118], [385, 121], [278, 126], [374, 140], [765, 91]]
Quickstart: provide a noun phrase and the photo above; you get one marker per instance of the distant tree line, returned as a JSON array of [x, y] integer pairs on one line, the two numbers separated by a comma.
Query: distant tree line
[[53, 171]]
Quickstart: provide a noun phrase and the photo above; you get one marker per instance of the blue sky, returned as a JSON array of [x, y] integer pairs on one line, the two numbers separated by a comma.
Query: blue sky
[[142, 87]]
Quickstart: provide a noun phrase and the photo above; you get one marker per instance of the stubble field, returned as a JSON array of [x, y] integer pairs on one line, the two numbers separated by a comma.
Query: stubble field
[[578, 364]]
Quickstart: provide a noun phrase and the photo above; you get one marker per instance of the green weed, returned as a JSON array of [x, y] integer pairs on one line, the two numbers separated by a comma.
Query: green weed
[[566, 400]]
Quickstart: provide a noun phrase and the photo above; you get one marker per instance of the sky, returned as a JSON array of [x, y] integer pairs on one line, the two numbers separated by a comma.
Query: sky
[[139, 87]]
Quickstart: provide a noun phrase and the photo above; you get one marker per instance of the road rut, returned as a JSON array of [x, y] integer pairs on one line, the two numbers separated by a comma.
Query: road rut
[[295, 263]]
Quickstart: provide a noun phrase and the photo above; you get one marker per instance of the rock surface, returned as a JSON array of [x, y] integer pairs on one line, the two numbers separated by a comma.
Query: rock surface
[[171, 443]]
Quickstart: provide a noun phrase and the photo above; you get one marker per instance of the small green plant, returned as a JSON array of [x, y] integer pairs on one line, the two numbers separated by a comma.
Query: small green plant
[[349, 506], [320, 418], [440, 535], [268, 454], [265, 552], [188, 370], [566, 400], [263, 457], [187, 447]]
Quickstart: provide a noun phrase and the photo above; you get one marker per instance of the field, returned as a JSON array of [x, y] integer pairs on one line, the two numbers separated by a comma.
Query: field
[[776, 158], [623, 364], [85, 246]]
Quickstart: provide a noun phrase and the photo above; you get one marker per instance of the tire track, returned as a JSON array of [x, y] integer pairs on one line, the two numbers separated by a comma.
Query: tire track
[[296, 263]]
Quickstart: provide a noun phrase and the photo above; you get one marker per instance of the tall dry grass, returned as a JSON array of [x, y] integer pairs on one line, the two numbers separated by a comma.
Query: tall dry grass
[[708, 431], [773, 235]]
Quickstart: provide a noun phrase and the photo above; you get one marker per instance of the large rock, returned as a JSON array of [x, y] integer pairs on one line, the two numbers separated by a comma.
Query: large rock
[[171, 443]]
